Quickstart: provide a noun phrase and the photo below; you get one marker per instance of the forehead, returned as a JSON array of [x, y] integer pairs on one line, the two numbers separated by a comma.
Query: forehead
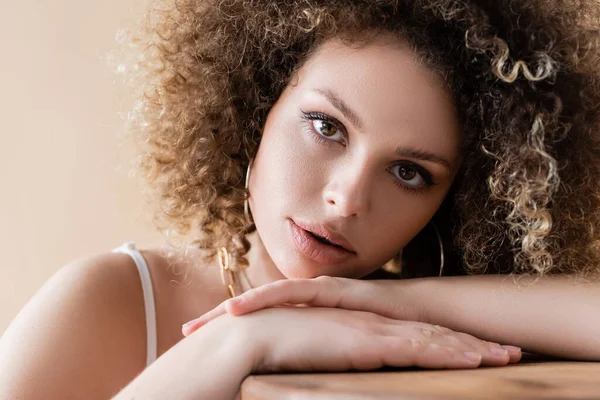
[[388, 86]]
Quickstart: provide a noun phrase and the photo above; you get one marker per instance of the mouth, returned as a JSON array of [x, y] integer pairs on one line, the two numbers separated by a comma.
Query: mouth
[[325, 235], [325, 241], [330, 249]]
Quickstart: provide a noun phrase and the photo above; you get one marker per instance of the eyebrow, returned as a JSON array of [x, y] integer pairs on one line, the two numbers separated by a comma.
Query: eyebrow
[[353, 117], [342, 107], [423, 155]]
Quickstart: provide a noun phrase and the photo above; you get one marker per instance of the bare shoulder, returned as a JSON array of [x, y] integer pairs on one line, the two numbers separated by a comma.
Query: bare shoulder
[[79, 335], [83, 334]]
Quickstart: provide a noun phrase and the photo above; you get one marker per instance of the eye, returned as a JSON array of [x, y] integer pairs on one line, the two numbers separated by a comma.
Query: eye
[[325, 127], [412, 175]]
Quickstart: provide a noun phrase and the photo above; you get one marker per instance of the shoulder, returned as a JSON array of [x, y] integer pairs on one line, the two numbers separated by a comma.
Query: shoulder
[[84, 322], [83, 334]]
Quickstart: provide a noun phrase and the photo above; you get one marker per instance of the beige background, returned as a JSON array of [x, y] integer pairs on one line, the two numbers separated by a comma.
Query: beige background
[[65, 190]]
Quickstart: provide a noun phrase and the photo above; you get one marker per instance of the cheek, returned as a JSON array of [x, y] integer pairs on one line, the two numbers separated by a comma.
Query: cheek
[[399, 226], [397, 219], [284, 172]]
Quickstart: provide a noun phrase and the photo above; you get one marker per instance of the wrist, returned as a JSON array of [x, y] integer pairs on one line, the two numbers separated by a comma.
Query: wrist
[[414, 298], [211, 363], [235, 343]]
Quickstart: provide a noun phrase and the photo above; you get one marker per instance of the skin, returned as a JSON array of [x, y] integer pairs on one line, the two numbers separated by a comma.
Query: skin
[[350, 177], [349, 184]]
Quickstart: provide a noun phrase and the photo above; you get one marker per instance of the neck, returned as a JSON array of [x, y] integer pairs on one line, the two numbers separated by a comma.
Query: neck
[[261, 270]]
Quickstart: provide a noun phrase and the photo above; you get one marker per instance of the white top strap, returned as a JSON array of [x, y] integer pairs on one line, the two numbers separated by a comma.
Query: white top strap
[[142, 266]]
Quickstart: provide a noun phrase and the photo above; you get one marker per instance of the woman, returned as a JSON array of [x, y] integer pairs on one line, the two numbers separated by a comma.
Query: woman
[[301, 140]]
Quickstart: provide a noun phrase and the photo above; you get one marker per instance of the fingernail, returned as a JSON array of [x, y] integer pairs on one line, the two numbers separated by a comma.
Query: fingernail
[[235, 300], [499, 351], [238, 300], [472, 356], [512, 349], [189, 323]]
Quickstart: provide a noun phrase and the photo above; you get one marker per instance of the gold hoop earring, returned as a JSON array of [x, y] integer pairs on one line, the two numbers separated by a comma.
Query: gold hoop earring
[[439, 238], [246, 205], [229, 275]]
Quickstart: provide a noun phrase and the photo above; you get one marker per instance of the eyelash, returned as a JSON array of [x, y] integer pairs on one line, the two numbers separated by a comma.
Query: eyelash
[[426, 176], [308, 117], [317, 116]]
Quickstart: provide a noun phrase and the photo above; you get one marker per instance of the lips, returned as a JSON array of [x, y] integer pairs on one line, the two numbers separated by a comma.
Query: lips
[[316, 248], [323, 232]]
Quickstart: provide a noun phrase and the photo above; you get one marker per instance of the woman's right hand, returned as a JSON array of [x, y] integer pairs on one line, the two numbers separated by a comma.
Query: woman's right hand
[[333, 339]]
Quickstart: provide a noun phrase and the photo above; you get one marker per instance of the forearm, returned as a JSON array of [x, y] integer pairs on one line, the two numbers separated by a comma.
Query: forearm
[[204, 365], [554, 316]]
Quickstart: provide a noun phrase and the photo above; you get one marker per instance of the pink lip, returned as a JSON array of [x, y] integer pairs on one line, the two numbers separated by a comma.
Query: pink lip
[[323, 231], [317, 251]]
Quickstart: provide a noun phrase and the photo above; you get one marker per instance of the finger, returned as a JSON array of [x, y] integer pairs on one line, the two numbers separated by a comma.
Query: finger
[[515, 353], [323, 291], [377, 297], [496, 355], [225, 307], [317, 292], [424, 354], [493, 354], [433, 346], [444, 357], [191, 326]]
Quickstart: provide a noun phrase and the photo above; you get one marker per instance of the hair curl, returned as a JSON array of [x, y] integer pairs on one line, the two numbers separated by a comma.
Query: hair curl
[[524, 75]]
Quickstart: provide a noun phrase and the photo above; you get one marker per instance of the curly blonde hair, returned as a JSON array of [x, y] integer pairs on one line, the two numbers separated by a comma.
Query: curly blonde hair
[[525, 79]]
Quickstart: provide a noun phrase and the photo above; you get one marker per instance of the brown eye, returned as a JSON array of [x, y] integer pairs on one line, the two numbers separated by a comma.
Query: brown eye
[[325, 128], [406, 173], [409, 176]]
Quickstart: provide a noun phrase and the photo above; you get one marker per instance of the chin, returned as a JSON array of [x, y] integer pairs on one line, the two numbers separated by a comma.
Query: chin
[[298, 271], [305, 270]]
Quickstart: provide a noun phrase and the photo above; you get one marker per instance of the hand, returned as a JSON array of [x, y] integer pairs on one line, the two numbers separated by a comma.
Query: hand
[[386, 298], [383, 297], [293, 339]]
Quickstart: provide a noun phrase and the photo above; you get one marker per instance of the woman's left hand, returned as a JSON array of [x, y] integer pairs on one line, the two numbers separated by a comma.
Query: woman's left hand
[[387, 298]]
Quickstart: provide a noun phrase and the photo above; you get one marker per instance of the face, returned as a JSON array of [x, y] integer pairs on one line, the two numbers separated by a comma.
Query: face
[[356, 156]]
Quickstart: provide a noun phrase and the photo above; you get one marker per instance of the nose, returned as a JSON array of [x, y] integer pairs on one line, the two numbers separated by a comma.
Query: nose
[[347, 193]]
